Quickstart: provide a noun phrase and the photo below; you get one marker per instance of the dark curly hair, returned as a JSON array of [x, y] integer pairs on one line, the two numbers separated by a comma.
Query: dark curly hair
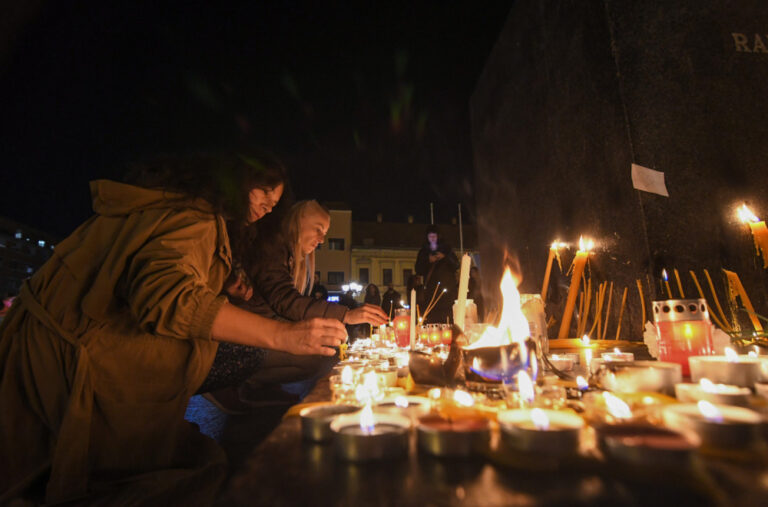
[[223, 180]]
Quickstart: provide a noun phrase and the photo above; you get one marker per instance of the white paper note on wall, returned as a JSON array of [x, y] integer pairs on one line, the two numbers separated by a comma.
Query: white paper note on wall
[[649, 180]]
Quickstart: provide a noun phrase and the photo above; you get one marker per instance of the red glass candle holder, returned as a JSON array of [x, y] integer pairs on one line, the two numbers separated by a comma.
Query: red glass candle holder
[[684, 330], [446, 334], [402, 325]]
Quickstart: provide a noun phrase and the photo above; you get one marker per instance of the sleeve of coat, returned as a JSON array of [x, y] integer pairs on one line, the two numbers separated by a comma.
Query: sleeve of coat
[[167, 280], [422, 262], [275, 284]]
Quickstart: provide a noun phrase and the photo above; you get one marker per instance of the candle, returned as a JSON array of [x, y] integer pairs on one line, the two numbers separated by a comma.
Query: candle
[[316, 421], [679, 283], [402, 326], [435, 334], [461, 309], [579, 263], [646, 376], [413, 319], [665, 277], [562, 363], [683, 329], [549, 432], [718, 426], [553, 252], [714, 393], [759, 232], [365, 436], [617, 355], [737, 288], [455, 436], [731, 368], [447, 334], [642, 444]]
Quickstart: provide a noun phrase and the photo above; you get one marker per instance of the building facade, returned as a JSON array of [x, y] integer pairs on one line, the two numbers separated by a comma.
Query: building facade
[[22, 250]]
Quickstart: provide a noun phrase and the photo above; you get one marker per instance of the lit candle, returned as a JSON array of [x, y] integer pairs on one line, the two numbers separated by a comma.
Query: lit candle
[[562, 363], [737, 288], [366, 436], [579, 263], [413, 319], [453, 436], [718, 426], [549, 432], [759, 232], [553, 252], [706, 390], [665, 277], [617, 355], [461, 301], [731, 368]]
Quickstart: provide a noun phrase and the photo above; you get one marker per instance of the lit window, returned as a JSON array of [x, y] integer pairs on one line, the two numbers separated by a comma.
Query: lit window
[[41, 243], [29, 270], [17, 235]]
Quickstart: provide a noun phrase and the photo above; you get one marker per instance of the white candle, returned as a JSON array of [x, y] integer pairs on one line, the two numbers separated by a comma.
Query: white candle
[[731, 368], [461, 301], [413, 319]]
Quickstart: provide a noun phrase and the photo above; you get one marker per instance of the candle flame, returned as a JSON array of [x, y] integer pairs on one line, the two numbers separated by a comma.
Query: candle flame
[[585, 340], [752, 353], [664, 275], [371, 382], [707, 385], [710, 411], [463, 398], [757, 350], [616, 349], [347, 375], [401, 401], [435, 393], [730, 355], [366, 419], [616, 406], [746, 215], [582, 383], [513, 326], [540, 419], [525, 387], [585, 245]]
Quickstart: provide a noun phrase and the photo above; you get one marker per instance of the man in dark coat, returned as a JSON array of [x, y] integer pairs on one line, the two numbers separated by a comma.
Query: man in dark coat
[[390, 301], [437, 264]]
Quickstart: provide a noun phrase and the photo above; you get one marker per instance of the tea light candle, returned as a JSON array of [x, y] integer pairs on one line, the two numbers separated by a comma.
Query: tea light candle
[[562, 363], [447, 334], [366, 436], [387, 376], [731, 368], [713, 393], [316, 421], [549, 432], [617, 355], [649, 376], [719, 426], [646, 445], [459, 436], [411, 406]]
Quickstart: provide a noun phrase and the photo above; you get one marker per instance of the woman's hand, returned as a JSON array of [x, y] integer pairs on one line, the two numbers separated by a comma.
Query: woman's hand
[[366, 314], [314, 336]]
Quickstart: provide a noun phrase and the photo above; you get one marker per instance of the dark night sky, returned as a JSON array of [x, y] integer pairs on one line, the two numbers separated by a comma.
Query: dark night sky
[[367, 103]]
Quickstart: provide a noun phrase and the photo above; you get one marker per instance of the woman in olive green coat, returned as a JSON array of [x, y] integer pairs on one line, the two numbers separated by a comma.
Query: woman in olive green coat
[[109, 339]]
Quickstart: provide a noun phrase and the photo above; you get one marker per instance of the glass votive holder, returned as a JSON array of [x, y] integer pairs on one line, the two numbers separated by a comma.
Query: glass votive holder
[[446, 334], [684, 330]]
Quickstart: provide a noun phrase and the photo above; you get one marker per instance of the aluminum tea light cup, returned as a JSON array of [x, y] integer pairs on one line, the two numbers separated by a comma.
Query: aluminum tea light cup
[[731, 369], [618, 355], [562, 362], [634, 376], [714, 393], [718, 426], [551, 433], [368, 436], [646, 445], [454, 437], [316, 421], [409, 406]]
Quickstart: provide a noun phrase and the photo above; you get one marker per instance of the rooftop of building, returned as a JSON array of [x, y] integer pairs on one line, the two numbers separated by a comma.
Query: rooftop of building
[[408, 235]]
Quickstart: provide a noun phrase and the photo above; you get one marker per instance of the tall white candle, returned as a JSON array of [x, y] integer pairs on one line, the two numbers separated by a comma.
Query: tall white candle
[[461, 301], [413, 319]]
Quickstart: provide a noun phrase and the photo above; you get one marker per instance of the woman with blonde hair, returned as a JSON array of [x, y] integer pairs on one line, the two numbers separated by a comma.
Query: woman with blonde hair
[[281, 267]]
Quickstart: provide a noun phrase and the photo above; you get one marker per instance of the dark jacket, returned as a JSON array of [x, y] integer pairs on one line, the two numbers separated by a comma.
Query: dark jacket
[[274, 295], [443, 271]]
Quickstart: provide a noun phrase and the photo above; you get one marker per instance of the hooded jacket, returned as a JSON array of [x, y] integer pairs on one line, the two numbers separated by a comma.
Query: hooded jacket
[[104, 347]]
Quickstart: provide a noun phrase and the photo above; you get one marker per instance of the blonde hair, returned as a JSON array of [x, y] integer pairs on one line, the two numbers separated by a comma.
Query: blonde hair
[[302, 264]]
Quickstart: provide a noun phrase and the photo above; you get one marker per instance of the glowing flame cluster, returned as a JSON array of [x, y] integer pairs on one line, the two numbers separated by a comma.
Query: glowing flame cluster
[[513, 326], [366, 419], [710, 412], [746, 215], [585, 246]]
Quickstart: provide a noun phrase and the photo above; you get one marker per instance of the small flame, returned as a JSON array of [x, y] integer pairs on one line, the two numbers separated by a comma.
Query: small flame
[[525, 387], [752, 353], [585, 340], [616, 350], [362, 394], [585, 245], [540, 419], [366, 419], [710, 411], [707, 385], [435, 393], [616, 406], [401, 401], [582, 383], [463, 398], [664, 275], [730, 355], [371, 382], [746, 215], [347, 375], [757, 350], [557, 244]]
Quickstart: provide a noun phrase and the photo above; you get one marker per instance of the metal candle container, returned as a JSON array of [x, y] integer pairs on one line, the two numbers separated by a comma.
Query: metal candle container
[[646, 445], [494, 364], [463, 436], [720, 394], [560, 439], [742, 371], [316, 421], [386, 439], [627, 377], [735, 427], [684, 330]]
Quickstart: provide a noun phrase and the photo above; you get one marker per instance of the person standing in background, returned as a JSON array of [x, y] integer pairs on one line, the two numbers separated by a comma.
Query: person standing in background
[[437, 264]]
